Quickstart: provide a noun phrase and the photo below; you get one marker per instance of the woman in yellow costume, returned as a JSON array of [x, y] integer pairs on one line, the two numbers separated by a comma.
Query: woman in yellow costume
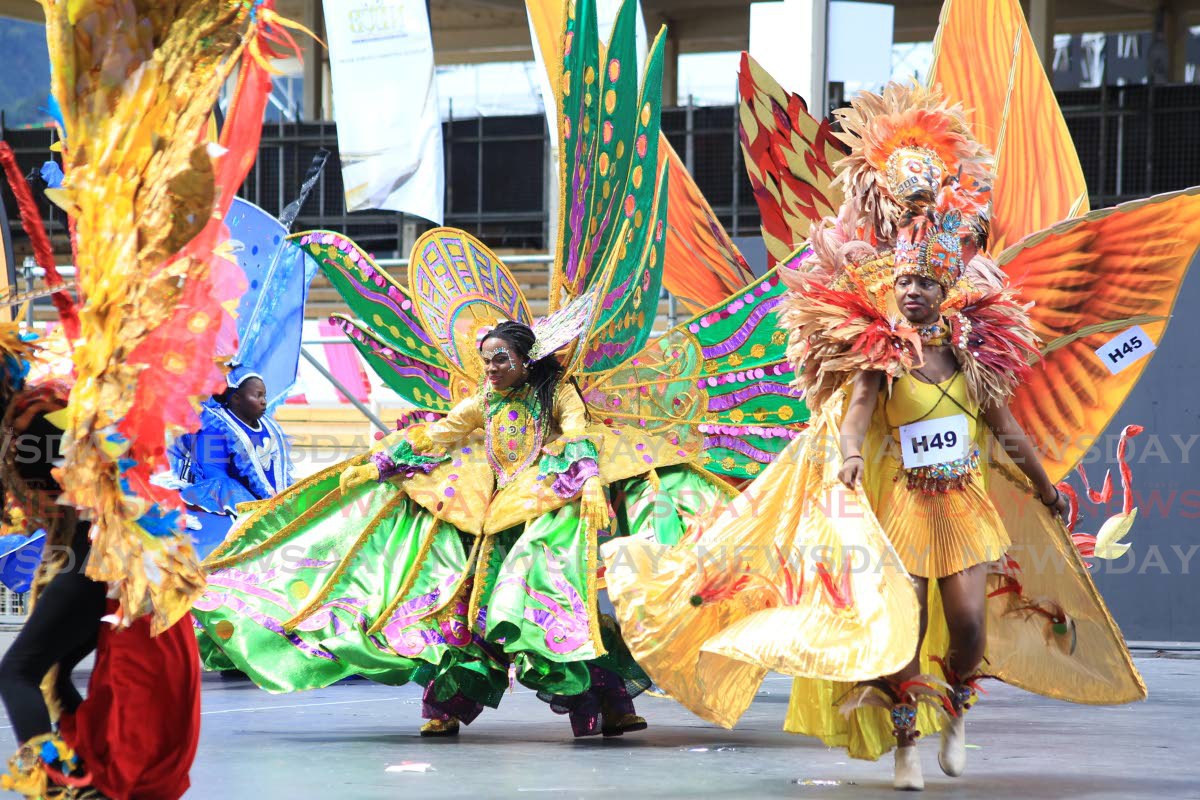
[[912, 530]]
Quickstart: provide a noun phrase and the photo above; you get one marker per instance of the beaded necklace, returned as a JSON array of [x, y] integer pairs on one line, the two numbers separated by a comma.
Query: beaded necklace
[[935, 333], [510, 419], [953, 328]]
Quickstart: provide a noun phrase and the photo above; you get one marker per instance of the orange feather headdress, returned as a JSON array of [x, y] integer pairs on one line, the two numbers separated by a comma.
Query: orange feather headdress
[[911, 118]]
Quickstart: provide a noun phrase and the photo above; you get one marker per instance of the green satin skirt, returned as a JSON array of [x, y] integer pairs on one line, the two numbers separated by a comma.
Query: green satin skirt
[[324, 586]]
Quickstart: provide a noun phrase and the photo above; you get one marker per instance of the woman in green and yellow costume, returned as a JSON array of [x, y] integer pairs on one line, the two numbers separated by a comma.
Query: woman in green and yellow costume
[[473, 559], [456, 554]]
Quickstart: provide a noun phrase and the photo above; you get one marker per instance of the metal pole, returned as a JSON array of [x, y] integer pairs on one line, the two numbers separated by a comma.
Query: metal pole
[[329, 376], [1151, 112], [478, 221], [448, 160], [733, 173], [1100, 151], [27, 268], [689, 142]]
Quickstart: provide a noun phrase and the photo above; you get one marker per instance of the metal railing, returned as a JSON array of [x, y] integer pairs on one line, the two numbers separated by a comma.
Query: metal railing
[[1133, 141], [13, 607]]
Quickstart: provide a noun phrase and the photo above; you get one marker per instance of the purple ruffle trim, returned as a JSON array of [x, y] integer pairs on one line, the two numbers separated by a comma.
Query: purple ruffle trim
[[456, 705], [567, 484], [389, 467]]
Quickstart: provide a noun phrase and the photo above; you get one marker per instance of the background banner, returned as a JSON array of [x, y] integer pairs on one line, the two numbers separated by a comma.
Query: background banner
[[385, 104]]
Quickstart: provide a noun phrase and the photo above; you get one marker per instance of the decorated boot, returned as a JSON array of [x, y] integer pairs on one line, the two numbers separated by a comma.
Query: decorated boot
[[907, 775], [900, 698], [46, 767]]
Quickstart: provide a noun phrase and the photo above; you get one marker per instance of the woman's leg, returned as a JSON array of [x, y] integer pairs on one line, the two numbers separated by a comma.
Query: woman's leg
[[965, 603], [913, 668], [68, 693], [964, 600], [445, 715], [907, 774], [64, 621]]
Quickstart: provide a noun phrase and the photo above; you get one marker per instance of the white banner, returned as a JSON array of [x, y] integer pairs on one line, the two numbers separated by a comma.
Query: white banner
[[385, 104], [1125, 349]]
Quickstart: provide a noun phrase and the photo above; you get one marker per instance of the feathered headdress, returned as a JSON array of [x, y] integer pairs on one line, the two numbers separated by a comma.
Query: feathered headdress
[[930, 246], [907, 142]]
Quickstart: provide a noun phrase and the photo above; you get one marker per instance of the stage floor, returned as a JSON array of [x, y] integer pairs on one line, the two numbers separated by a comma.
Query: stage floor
[[340, 742]]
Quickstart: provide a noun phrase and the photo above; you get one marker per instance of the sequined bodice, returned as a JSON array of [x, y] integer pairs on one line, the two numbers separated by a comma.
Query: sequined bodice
[[515, 431]]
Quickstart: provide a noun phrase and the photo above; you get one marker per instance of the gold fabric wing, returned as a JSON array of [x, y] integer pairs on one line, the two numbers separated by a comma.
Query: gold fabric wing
[[984, 58], [797, 576], [136, 83]]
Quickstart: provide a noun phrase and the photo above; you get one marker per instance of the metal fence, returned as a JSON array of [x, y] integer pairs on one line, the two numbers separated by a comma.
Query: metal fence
[[1133, 141], [12, 606]]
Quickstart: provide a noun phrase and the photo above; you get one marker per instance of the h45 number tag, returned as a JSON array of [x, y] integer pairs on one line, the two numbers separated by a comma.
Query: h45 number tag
[[1125, 349], [934, 441]]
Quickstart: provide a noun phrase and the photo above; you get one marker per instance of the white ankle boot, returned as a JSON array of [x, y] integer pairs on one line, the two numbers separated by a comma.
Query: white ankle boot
[[952, 758], [908, 770]]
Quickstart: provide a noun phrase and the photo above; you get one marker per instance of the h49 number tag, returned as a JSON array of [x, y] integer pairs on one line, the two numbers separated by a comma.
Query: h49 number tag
[[934, 441], [1125, 349]]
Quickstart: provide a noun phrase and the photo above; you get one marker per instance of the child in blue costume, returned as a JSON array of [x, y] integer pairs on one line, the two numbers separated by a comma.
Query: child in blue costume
[[239, 455]]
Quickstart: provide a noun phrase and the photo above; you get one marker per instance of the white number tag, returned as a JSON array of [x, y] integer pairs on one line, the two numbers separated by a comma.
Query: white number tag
[[1125, 349], [934, 441]]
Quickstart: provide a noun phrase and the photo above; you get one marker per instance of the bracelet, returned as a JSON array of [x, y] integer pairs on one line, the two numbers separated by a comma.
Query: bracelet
[[847, 458], [1054, 502]]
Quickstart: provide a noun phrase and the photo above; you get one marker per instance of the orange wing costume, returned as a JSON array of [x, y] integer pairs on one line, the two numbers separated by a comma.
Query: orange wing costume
[[797, 576]]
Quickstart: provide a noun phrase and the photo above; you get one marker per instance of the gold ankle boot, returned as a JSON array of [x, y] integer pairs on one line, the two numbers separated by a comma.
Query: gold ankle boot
[[439, 727]]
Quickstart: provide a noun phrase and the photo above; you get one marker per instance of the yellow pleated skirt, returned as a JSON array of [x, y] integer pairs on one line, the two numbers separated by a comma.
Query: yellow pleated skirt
[[939, 534]]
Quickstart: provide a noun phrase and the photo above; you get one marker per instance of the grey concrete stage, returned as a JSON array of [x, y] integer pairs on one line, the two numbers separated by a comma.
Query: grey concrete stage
[[340, 741]]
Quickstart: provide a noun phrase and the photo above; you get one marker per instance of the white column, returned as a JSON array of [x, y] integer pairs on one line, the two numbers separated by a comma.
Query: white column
[[788, 38], [1042, 16]]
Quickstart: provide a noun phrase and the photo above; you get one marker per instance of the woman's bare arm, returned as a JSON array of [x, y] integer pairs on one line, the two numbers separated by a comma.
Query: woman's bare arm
[[863, 397], [1012, 438]]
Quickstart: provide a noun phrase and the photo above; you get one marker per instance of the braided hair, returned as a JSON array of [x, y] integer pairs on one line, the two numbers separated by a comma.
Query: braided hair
[[544, 374]]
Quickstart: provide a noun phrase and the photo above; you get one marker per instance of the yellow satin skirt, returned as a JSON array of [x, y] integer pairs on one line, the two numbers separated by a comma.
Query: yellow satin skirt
[[797, 575], [939, 534]]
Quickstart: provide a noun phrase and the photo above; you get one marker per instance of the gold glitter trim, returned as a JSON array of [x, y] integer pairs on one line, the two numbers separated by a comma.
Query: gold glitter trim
[[593, 546], [411, 578], [484, 550], [714, 480], [216, 560], [367, 531]]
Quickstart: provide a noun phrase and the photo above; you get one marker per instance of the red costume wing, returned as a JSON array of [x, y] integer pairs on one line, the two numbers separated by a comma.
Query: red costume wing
[[789, 157]]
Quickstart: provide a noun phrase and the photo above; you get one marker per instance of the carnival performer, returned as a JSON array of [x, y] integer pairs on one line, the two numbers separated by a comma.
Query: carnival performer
[[239, 455], [89, 753], [136, 734], [146, 225], [451, 558], [889, 541], [934, 509]]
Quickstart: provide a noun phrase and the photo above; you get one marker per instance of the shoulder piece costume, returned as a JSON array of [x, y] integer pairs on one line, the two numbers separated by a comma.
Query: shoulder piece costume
[[147, 213], [145, 194]]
